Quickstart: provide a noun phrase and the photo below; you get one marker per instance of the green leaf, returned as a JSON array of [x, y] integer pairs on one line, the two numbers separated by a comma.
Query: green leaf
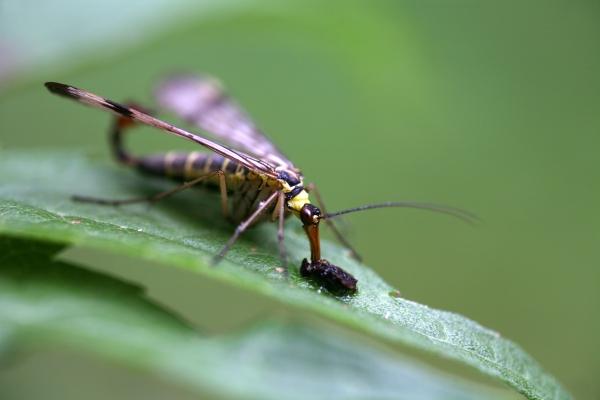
[[45, 303], [186, 230]]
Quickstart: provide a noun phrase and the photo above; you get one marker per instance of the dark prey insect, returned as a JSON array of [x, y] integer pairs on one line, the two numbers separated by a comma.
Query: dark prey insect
[[256, 181]]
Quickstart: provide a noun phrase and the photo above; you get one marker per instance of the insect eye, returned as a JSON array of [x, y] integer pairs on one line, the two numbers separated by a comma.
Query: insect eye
[[288, 178], [310, 214]]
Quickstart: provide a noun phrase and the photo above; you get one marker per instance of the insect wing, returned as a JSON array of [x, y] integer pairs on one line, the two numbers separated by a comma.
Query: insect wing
[[202, 101], [91, 99]]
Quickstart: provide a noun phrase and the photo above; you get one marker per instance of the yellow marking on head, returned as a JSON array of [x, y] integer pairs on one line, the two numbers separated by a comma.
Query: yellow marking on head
[[286, 188], [298, 201]]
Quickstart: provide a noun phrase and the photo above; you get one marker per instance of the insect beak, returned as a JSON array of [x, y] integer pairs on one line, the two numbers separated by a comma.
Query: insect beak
[[310, 216], [312, 231]]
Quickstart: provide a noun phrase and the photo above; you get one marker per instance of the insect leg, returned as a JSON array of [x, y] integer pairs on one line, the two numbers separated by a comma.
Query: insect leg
[[151, 199], [244, 225], [275, 213], [223, 190], [312, 188], [280, 233]]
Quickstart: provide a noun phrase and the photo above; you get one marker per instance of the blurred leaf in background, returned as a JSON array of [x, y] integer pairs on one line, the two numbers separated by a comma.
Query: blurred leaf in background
[[54, 33], [46, 304], [489, 106]]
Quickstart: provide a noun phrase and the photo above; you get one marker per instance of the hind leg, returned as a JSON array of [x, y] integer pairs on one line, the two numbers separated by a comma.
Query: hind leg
[[161, 195], [241, 228]]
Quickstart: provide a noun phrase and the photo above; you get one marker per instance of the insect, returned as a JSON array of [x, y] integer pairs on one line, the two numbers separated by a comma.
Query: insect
[[255, 180]]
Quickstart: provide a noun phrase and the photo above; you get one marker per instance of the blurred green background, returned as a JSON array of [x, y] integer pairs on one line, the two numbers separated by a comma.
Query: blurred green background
[[490, 106]]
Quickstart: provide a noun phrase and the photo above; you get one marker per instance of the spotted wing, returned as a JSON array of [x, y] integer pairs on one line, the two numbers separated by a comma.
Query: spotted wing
[[88, 98], [201, 100]]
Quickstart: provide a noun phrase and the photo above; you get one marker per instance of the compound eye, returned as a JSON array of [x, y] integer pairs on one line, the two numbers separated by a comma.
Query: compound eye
[[310, 214]]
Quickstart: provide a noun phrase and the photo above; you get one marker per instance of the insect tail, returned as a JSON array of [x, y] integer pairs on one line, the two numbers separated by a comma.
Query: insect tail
[[121, 124], [463, 215]]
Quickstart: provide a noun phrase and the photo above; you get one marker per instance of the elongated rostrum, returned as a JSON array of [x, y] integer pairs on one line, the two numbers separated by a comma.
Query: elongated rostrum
[[255, 180]]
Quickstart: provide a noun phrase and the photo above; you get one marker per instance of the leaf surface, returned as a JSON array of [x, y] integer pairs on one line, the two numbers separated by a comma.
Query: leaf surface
[[46, 303], [186, 230]]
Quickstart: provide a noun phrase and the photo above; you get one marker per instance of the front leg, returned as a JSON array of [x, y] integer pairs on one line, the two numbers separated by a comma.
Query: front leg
[[244, 225], [281, 233]]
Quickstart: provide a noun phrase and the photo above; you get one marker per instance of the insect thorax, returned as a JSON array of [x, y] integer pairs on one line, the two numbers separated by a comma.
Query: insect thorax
[[293, 187]]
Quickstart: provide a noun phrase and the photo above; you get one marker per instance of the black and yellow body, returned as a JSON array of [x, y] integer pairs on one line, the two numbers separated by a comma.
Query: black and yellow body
[[245, 189], [256, 181]]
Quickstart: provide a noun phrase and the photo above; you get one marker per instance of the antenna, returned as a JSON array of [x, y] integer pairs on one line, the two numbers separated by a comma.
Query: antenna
[[463, 215]]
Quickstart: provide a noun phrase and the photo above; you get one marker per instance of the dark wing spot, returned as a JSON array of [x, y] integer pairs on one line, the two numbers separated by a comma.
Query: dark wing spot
[[61, 89], [73, 93], [119, 108]]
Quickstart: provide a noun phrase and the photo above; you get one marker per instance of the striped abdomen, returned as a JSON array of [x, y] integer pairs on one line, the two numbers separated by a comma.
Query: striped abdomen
[[246, 188], [187, 166]]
